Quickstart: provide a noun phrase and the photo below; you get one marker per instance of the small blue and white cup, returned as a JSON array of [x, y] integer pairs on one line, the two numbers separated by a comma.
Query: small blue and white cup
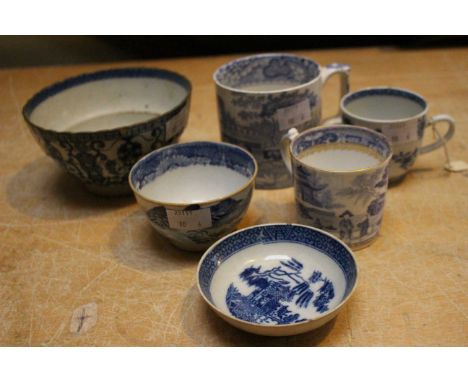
[[340, 177], [261, 97], [194, 193], [402, 116]]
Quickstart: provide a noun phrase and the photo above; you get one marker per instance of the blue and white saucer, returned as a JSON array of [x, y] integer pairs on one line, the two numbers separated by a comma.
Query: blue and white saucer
[[277, 279]]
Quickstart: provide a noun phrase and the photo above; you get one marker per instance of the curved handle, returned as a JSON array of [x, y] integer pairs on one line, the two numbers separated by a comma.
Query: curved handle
[[448, 135], [343, 71], [284, 147]]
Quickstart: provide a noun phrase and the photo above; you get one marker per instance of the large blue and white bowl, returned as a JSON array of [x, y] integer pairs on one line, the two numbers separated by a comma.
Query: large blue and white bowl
[[97, 125], [277, 279], [194, 193]]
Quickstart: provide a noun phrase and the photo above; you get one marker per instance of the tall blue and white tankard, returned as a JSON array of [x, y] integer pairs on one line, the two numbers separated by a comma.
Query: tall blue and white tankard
[[261, 97]]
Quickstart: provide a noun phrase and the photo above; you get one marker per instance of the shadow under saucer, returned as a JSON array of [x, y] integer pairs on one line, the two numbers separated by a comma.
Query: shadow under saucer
[[207, 329]]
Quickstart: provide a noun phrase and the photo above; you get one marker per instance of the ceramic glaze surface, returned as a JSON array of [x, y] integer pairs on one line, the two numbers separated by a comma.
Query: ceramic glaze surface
[[269, 86], [278, 283], [109, 103], [348, 204], [110, 121], [400, 115], [340, 158], [194, 184], [259, 98], [277, 274], [267, 68], [384, 107], [97, 125], [184, 173]]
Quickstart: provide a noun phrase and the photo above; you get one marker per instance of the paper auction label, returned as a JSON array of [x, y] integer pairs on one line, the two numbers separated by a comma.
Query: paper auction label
[[188, 220], [293, 115]]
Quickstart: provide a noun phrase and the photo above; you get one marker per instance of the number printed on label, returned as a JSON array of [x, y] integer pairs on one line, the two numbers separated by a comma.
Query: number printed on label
[[189, 220], [400, 134], [293, 115], [176, 123]]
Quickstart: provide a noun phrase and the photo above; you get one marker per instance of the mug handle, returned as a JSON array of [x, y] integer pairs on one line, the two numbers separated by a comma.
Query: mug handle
[[284, 147], [449, 134], [343, 71]]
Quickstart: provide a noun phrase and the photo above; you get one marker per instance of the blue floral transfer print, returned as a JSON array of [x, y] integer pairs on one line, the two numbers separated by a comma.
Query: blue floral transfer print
[[276, 290], [405, 159]]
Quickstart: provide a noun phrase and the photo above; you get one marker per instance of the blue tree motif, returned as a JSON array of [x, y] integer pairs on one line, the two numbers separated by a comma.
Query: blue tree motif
[[405, 160], [274, 289], [313, 190], [326, 294], [363, 187], [376, 205]]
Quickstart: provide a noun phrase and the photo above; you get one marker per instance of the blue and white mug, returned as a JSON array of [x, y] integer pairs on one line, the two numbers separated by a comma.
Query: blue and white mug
[[261, 97], [340, 177], [399, 114]]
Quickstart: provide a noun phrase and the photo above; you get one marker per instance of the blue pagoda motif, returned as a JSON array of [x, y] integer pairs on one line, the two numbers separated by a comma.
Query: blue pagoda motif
[[277, 289]]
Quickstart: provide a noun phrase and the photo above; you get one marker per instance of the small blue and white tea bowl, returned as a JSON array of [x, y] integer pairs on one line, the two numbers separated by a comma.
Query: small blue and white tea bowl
[[277, 279], [194, 193], [97, 125]]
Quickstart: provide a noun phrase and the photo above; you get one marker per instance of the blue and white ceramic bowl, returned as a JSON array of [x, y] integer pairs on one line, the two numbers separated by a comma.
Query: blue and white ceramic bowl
[[97, 125], [194, 193], [277, 279]]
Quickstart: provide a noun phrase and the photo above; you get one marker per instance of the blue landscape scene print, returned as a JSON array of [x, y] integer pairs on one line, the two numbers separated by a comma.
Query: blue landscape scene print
[[276, 290]]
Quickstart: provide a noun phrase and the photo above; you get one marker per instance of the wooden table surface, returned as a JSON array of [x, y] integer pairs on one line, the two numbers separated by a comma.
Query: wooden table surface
[[62, 248]]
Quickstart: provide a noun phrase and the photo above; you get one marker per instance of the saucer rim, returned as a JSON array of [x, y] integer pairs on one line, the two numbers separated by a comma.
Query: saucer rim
[[278, 326]]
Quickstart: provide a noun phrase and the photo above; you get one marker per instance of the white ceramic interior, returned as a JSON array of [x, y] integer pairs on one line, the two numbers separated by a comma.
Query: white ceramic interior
[[194, 184], [383, 107], [268, 256], [108, 103], [336, 157]]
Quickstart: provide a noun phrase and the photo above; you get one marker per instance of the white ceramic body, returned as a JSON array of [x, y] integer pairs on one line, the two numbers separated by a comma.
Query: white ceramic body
[[348, 204], [261, 97], [97, 125], [194, 226], [404, 128], [280, 279]]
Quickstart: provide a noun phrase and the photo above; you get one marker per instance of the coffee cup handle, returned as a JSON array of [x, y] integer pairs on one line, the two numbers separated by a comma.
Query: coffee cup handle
[[284, 147], [448, 135], [343, 71]]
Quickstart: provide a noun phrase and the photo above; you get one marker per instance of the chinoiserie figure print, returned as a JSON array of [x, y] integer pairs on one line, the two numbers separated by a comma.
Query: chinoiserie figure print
[[276, 290]]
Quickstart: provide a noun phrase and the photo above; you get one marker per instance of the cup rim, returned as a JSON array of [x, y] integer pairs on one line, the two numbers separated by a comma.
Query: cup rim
[[243, 91], [382, 163], [307, 321], [250, 181], [345, 111], [88, 77]]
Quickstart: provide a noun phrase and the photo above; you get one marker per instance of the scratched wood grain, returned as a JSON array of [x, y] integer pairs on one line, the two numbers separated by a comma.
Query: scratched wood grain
[[62, 249]]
